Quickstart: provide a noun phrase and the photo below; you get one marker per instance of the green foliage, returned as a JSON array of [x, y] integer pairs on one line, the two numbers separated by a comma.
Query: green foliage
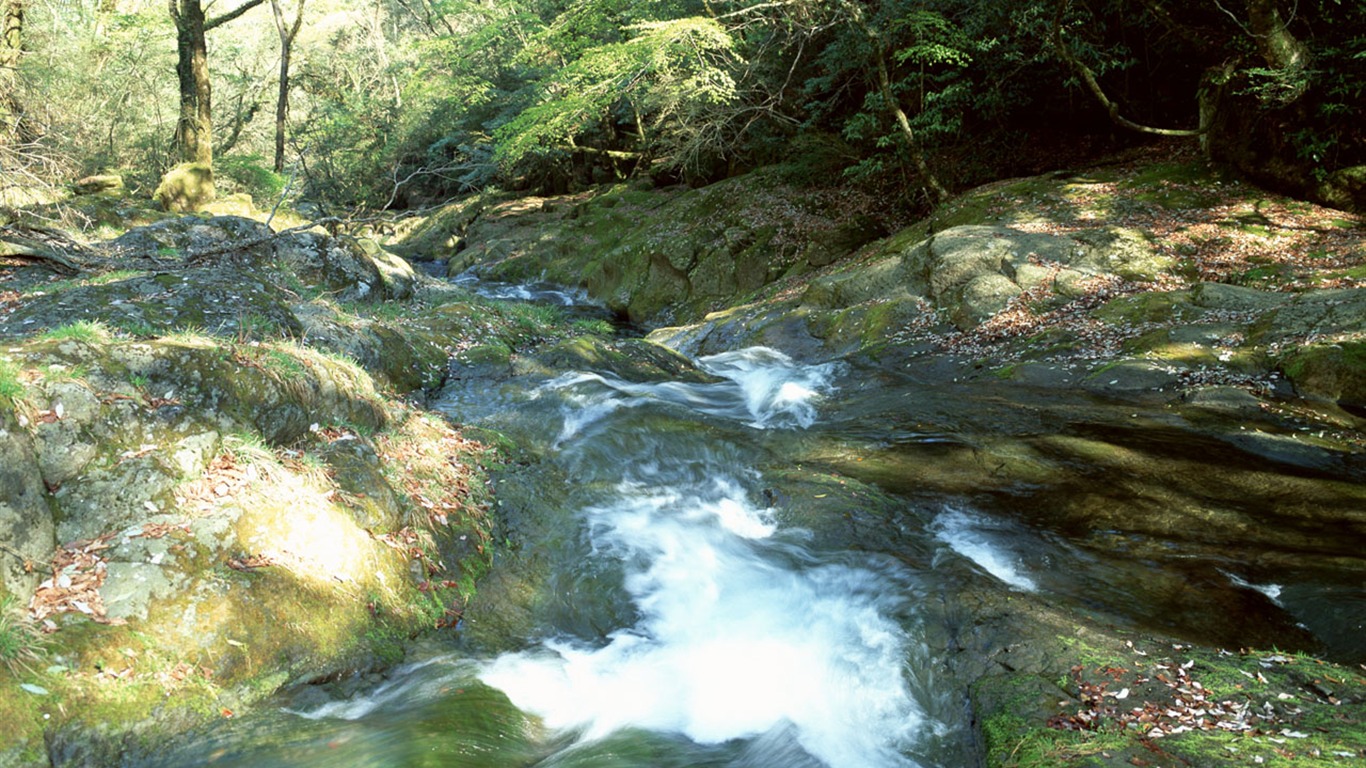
[[664, 82], [250, 174], [396, 105]]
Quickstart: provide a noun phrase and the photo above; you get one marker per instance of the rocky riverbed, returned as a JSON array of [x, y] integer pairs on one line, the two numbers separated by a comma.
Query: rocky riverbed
[[221, 481]]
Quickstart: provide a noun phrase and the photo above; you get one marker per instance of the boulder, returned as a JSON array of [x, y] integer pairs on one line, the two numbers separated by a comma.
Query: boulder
[[971, 272], [1334, 371], [354, 269], [179, 237], [27, 532]]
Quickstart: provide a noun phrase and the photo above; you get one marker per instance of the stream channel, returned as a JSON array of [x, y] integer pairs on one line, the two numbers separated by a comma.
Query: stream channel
[[766, 566]]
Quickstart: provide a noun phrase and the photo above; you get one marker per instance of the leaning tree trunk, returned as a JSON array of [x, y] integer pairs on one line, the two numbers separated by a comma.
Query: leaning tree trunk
[[884, 80]]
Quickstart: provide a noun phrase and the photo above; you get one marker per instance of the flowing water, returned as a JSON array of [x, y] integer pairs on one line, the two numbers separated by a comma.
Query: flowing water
[[693, 585]]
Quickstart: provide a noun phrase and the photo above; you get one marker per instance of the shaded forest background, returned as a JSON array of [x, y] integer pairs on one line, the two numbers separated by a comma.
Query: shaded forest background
[[382, 104]]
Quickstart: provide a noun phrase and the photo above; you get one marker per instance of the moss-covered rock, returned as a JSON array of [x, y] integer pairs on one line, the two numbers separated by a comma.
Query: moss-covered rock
[[1336, 372], [237, 510], [668, 254], [629, 359], [185, 188], [216, 569]]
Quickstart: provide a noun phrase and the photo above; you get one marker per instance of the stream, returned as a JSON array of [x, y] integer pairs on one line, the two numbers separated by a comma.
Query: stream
[[760, 569]]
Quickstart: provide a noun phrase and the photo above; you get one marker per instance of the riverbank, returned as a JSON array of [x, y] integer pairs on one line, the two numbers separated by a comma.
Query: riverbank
[[219, 480]]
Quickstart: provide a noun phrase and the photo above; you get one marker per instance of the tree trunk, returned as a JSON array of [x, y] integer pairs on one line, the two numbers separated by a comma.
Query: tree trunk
[[1279, 48], [194, 129], [287, 35], [11, 47]]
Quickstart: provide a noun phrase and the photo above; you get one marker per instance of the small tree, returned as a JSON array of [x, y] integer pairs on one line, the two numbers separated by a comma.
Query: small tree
[[287, 35]]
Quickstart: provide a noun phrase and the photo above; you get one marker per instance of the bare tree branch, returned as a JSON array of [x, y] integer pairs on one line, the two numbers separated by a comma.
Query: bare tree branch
[[231, 15]]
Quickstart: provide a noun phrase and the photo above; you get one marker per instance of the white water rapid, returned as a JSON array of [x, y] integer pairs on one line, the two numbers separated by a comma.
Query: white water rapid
[[740, 633]]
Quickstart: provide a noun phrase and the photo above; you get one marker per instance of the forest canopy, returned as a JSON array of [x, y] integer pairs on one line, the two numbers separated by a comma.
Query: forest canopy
[[399, 103]]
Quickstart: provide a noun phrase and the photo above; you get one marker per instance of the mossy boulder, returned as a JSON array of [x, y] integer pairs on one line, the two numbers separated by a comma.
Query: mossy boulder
[[217, 301], [669, 255], [971, 272], [1345, 188], [186, 188], [1336, 372], [212, 568], [355, 269], [231, 237]]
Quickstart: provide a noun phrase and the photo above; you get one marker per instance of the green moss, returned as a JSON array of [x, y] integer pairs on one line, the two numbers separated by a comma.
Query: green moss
[[1335, 371], [997, 203], [1300, 711], [1158, 307], [1175, 186], [1011, 742]]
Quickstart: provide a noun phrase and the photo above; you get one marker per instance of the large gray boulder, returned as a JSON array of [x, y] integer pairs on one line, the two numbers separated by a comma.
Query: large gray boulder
[[972, 272]]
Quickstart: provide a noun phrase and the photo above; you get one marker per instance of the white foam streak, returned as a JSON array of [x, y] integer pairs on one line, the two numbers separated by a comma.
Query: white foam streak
[[968, 535], [730, 643], [1272, 591], [776, 390], [763, 388]]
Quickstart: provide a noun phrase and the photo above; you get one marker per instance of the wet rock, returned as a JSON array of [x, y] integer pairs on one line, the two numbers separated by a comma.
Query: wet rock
[[630, 359], [1231, 401]]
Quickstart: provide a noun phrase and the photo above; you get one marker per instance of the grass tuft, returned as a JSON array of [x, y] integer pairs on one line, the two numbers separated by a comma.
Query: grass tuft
[[22, 644]]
